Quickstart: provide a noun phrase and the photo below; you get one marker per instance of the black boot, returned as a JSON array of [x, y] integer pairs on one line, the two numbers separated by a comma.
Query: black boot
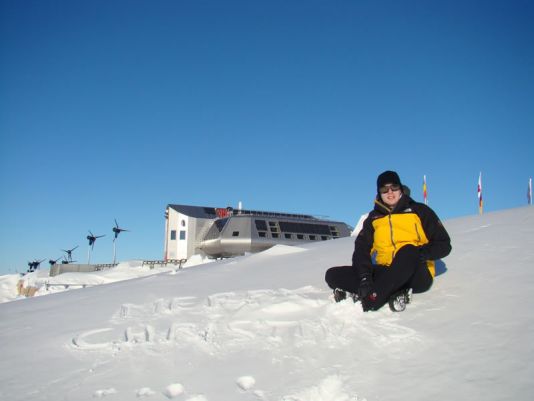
[[339, 295]]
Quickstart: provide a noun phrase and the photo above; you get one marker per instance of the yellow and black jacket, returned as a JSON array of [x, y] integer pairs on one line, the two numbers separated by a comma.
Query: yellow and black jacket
[[386, 231]]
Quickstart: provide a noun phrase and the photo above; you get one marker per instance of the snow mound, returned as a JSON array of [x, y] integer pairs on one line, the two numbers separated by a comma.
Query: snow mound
[[8, 287], [280, 249]]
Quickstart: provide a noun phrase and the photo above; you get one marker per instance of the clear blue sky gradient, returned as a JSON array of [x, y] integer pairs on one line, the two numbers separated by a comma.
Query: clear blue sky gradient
[[114, 109]]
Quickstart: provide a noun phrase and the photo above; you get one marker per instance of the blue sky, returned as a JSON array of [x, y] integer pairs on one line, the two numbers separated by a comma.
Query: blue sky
[[114, 109]]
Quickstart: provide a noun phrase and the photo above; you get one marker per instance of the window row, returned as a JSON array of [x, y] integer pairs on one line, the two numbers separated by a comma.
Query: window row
[[310, 237], [173, 235], [296, 228]]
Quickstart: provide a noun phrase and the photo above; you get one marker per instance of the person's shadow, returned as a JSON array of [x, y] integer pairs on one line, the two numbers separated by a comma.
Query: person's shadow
[[440, 267]]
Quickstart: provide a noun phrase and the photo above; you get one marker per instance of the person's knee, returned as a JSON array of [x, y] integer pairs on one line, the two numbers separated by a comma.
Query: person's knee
[[329, 277], [408, 250], [337, 276], [406, 257]]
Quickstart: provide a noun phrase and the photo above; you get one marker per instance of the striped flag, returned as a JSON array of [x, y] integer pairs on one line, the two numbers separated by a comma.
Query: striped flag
[[480, 203], [424, 190], [529, 191]]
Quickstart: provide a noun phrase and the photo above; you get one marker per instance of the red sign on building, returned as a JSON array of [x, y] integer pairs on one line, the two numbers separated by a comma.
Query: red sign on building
[[221, 213]]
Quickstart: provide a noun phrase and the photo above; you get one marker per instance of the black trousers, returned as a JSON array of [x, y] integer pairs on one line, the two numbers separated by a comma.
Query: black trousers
[[406, 271]]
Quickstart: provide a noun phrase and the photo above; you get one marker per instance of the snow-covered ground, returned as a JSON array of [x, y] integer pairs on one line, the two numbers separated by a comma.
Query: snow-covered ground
[[264, 327], [45, 285]]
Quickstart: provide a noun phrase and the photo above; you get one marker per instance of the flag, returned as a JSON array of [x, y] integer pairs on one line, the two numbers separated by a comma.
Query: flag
[[424, 190], [480, 203], [529, 191]]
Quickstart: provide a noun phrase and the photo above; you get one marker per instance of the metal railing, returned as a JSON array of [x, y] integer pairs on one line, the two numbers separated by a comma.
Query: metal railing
[[164, 263]]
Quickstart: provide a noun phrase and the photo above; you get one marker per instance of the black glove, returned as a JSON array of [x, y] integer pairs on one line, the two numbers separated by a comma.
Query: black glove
[[366, 284]]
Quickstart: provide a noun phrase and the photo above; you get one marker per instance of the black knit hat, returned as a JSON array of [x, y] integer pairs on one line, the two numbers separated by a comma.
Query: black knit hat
[[387, 177]]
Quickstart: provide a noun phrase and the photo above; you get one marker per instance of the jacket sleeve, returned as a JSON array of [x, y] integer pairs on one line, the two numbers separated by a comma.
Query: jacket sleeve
[[439, 244], [361, 258]]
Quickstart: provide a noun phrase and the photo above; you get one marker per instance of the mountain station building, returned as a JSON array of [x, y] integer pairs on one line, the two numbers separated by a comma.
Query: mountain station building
[[226, 232]]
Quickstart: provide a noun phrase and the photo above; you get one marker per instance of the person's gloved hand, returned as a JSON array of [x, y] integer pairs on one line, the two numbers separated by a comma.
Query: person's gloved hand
[[366, 284]]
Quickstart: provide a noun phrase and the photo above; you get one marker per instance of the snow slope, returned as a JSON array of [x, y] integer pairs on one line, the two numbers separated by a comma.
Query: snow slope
[[264, 327]]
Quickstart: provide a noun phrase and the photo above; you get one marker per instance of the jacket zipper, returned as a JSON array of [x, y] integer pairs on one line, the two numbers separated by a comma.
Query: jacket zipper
[[392, 241], [390, 227]]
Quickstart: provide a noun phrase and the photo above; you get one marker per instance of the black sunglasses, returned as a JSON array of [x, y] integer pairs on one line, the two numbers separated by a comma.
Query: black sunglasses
[[385, 189]]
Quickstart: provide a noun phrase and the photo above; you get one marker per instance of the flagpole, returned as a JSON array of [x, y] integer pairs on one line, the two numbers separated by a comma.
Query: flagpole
[[425, 190], [480, 202], [529, 192]]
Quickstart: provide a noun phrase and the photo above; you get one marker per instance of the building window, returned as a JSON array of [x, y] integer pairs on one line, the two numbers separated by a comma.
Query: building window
[[220, 224], [300, 236], [275, 235], [273, 226], [182, 235], [312, 237], [304, 228], [333, 231], [261, 225], [235, 234], [173, 235], [261, 234], [288, 236], [324, 237]]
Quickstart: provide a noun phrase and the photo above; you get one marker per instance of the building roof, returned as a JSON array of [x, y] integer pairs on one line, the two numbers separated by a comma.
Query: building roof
[[205, 212], [272, 214], [199, 212]]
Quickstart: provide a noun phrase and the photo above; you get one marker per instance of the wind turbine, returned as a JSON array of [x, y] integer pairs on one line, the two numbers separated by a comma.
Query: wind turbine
[[34, 265], [116, 230], [69, 253], [92, 239]]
